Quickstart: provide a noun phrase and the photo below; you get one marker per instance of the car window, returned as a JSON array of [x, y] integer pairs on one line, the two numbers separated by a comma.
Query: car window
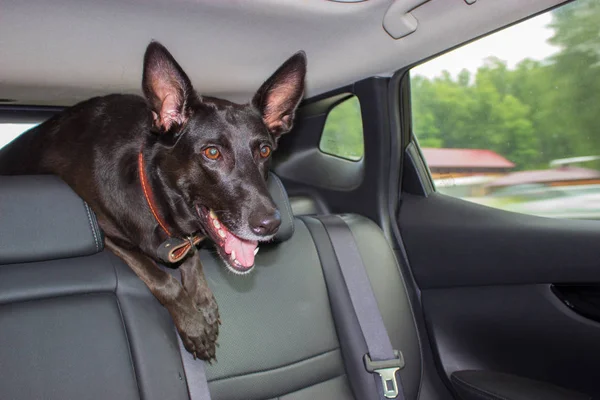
[[10, 131], [511, 120], [343, 131]]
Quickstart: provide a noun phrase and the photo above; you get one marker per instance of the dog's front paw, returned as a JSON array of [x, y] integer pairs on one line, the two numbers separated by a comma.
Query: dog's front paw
[[205, 303], [200, 343], [199, 330]]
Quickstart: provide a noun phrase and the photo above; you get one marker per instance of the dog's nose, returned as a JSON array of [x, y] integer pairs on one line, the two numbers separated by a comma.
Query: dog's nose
[[266, 225]]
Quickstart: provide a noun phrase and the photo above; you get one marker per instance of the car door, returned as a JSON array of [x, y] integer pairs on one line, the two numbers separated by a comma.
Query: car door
[[499, 216]]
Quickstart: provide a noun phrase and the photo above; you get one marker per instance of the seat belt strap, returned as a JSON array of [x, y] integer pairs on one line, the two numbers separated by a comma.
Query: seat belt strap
[[381, 358], [194, 374]]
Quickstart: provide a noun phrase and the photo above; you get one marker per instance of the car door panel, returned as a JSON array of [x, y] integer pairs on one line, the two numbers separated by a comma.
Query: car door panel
[[487, 279], [452, 242], [524, 330]]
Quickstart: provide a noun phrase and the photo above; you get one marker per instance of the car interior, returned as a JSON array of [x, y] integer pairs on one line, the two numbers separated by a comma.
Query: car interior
[[481, 303]]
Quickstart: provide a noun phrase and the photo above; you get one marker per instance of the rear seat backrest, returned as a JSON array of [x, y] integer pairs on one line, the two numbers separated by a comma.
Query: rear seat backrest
[[280, 338], [390, 294], [75, 321]]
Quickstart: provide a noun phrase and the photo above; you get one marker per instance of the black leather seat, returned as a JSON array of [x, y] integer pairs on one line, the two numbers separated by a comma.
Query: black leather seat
[[76, 323]]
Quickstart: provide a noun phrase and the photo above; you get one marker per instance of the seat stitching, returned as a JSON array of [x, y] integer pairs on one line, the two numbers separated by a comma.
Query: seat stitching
[[315, 384], [130, 350], [478, 390], [288, 207], [275, 368], [87, 209]]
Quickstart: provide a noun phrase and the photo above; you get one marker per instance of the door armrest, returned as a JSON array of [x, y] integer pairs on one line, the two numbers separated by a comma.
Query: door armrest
[[489, 385]]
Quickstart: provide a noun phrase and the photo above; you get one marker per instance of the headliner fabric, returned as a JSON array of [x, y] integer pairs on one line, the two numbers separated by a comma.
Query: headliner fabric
[[60, 52]]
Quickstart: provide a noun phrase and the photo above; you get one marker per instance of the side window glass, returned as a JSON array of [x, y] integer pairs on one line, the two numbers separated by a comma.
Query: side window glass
[[343, 131], [8, 132], [517, 130]]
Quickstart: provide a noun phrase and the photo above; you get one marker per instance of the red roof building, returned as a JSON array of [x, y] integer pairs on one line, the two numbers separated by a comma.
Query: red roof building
[[465, 161]]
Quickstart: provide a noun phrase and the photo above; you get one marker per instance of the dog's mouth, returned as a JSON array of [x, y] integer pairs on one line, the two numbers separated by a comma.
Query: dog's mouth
[[237, 253]]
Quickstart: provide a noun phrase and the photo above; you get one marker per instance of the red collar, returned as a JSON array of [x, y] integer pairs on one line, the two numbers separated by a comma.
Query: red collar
[[149, 195], [173, 249]]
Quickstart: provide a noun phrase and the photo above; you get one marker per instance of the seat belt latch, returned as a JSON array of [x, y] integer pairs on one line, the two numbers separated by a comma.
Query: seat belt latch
[[386, 370]]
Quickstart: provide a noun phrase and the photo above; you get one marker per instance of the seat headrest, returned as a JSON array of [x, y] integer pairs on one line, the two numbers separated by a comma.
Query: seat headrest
[[41, 218], [280, 197]]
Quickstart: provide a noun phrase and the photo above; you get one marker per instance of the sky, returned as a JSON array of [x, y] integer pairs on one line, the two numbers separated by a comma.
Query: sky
[[513, 44]]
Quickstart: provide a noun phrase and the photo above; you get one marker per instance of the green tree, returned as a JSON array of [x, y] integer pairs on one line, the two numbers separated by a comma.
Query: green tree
[[483, 114], [576, 72], [532, 114], [343, 130]]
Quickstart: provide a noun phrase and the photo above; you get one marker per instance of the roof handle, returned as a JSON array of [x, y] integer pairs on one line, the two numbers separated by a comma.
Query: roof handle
[[398, 20]]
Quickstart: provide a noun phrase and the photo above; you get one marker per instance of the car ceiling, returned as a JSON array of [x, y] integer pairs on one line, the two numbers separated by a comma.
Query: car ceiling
[[58, 52]]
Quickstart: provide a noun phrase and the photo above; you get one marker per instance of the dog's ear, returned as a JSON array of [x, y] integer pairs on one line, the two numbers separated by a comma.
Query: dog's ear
[[278, 98], [166, 87]]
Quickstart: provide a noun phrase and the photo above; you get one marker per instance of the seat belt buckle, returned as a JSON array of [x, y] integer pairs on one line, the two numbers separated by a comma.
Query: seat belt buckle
[[386, 370]]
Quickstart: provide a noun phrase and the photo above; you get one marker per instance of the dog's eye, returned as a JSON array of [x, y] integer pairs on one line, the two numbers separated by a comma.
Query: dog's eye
[[212, 153], [265, 151]]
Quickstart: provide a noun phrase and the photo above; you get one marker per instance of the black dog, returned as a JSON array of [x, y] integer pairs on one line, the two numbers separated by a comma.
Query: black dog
[[165, 171]]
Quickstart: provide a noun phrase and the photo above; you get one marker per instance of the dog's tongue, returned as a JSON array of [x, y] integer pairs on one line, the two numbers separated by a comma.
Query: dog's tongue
[[244, 249]]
